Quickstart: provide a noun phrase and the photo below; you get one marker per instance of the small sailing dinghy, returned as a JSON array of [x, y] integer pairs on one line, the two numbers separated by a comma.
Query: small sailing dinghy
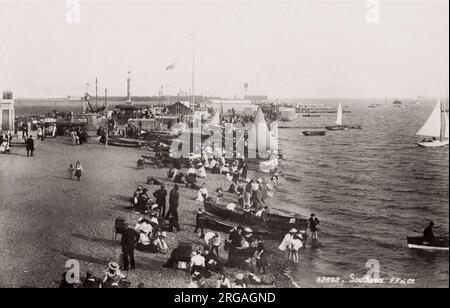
[[417, 242], [339, 125], [435, 127]]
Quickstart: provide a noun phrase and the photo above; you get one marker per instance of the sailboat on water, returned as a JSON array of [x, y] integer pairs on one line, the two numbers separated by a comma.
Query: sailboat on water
[[339, 125], [435, 127]]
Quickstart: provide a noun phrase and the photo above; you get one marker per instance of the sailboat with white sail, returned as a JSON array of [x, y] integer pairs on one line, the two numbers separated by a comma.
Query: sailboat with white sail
[[436, 128], [262, 145], [339, 125]]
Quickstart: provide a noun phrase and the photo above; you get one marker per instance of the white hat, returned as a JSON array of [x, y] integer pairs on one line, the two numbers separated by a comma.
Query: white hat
[[248, 230], [260, 180], [239, 276], [113, 266], [293, 230]]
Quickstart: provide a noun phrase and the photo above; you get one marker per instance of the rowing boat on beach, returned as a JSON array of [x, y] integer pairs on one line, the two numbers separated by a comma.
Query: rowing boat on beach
[[220, 224], [272, 221]]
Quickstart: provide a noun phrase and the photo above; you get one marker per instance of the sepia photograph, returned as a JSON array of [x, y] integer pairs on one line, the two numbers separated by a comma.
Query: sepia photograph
[[197, 145]]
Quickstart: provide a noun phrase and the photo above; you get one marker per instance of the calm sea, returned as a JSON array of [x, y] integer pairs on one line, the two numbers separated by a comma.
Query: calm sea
[[370, 188]]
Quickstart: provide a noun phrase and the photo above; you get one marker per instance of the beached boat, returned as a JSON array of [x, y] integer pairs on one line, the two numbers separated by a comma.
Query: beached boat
[[417, 242], [314, 133], [123, 144], [435, 127], [273, 221], [217, 223]]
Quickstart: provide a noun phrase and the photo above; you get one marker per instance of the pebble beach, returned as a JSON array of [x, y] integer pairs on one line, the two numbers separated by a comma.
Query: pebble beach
[[47, 218]]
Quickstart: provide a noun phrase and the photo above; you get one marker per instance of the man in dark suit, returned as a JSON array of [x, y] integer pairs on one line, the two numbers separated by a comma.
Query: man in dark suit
[[160, 196], [174, 196], [130, 238], [30, 146]]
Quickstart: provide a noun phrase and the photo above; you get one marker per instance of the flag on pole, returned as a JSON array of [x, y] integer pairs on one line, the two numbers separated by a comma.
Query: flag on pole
[[170, 67]]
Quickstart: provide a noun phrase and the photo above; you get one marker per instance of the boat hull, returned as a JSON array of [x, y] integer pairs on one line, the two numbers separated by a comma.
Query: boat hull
[[417, 242], [433, 144], [336, 127], [274, 223], [217, 223], [314, 133], [355, 126]]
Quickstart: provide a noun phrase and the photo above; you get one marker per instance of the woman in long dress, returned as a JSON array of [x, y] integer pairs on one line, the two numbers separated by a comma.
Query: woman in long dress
[[261, 258], [78, 170]]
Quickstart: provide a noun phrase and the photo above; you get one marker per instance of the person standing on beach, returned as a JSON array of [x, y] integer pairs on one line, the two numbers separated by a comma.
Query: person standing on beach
[[30, 146], [174, 197], [40, 134], [314, 226], [160, 196], [70, 171], [78, 170], [200, 223], [130, 239]]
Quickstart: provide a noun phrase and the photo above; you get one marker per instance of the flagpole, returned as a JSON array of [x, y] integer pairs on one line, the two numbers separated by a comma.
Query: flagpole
[[107, 118], [193, 69]]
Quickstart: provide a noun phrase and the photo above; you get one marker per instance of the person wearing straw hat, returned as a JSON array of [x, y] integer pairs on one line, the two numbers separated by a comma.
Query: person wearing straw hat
[[113, 274]]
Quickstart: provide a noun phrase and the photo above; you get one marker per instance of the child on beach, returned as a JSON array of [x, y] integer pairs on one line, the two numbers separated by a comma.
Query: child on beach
[[70, 171], [78, 170]]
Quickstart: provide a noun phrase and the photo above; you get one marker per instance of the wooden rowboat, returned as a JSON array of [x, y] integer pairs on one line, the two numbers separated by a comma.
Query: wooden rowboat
[[418, 242], [273, 221], [220, 224], [314, 133]]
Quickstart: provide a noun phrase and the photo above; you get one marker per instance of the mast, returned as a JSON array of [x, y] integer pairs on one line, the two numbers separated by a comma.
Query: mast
[[193, 69], [107, 118], [96, 96]]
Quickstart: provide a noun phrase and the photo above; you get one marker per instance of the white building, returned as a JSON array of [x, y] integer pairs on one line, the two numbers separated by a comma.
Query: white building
[[7, 115]]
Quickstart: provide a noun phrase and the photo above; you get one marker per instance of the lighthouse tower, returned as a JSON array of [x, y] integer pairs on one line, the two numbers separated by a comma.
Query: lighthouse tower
[[129, 101]]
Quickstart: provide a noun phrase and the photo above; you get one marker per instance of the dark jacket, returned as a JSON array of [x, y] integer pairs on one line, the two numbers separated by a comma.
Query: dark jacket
[[160, 196], [30, 144], [200, 219], [130, 237], [173, 199]]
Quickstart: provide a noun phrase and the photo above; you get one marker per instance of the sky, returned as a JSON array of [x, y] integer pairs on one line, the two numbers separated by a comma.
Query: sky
[[281, 48]]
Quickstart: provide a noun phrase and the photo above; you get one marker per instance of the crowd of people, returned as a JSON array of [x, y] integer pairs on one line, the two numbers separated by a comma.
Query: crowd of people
[[5, 142]]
